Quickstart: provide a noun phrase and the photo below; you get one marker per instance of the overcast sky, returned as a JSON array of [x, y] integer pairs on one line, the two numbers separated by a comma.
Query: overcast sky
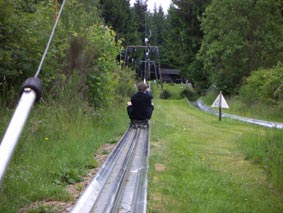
[[164, 4]]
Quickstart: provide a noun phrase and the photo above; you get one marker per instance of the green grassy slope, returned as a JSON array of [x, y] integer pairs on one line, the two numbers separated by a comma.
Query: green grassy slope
[[196, 164]]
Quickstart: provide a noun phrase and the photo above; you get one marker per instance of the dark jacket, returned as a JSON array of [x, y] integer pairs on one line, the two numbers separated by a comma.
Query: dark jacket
[[141, 108]]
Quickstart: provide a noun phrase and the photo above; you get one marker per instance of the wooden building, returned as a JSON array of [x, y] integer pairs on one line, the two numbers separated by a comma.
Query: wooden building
[[170, 75]]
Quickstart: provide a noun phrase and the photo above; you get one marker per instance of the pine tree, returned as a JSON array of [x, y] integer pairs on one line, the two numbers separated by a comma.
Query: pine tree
[[119, 15], [184, 33]]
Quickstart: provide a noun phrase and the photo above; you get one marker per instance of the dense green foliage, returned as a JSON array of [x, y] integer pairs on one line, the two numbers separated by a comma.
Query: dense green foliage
[[239, 37], [122, 18], [183, 35], [156, 24], [22, 40], [211, 42], [264, 85], [81, 45]]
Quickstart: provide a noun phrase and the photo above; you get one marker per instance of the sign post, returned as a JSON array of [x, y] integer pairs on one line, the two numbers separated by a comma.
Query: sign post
[[220, 109], [220, 103]]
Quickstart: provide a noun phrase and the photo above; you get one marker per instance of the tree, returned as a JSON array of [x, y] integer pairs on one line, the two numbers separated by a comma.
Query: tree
[[184, 33], [240, 36], [22, 39], [82, 47], [140, 8], [119, 15], [264, 85], [157, 26]]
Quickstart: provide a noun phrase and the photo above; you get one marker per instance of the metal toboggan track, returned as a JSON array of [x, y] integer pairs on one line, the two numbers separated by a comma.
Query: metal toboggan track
[[121, 183]]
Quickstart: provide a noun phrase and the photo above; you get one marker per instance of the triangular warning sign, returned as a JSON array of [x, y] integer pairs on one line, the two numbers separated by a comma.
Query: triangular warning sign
[[220, 100]]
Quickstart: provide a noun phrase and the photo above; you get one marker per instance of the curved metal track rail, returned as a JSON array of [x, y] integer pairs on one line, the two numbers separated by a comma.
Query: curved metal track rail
[[200, 105], [121, 183]]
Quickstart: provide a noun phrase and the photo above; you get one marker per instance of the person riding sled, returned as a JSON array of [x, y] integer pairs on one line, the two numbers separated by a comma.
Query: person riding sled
[[140, 108]]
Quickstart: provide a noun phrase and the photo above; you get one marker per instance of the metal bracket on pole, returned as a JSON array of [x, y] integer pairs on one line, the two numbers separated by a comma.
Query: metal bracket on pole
[[30, 92]]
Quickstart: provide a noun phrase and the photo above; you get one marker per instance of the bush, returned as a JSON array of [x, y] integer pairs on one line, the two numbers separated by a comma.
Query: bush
[[165, 94], [189, 94], [264, 85], [126, 83]]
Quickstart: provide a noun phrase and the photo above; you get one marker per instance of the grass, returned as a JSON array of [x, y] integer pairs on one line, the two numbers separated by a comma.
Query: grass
[[57, 148], [173, 89], [197, 164], [259, 110], [204, 167], [266, 151]]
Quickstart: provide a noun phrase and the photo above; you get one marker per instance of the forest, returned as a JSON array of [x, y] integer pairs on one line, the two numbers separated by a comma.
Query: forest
[[233, 45]]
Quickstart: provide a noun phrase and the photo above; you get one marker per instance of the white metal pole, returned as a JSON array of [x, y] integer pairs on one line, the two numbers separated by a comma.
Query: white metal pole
[[14, 129]]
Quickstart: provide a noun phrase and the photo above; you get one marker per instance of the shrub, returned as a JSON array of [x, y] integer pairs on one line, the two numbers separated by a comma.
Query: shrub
[[165, 94], [191, 95], [101, 80], [126, 83], [265, 85]]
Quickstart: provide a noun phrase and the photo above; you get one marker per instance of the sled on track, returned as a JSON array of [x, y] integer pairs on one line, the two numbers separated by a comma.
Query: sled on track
[[139, 124]]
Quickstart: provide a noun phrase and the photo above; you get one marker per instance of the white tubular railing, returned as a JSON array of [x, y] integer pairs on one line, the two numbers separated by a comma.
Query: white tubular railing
[[14, 130]]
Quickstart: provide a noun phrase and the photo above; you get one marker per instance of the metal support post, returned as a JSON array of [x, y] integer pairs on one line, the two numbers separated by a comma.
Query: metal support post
[[30, 92]]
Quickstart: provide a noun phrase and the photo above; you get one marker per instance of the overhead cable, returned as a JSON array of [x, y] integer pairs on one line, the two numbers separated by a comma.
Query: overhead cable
[[50, 39]]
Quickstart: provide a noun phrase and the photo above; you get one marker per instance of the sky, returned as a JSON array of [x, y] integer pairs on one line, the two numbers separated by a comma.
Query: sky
[[165, 4]]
